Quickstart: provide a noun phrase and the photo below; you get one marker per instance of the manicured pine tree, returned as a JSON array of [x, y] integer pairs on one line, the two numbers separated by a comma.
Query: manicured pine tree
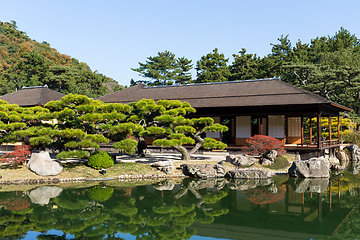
[[167, 122]]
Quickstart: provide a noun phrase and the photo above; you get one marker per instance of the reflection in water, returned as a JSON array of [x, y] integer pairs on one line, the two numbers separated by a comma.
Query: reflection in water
[[41, 195], [278, 208], [301, 185]]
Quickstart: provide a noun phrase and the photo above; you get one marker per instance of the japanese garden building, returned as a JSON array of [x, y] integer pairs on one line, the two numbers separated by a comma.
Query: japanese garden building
[[32, 96], [263, 106]]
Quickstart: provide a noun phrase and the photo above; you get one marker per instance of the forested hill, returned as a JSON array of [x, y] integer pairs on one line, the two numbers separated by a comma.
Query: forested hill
[[26, 62]]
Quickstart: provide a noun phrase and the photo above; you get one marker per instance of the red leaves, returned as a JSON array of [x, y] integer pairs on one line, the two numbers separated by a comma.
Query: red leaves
[[260, 144], [18, 156]]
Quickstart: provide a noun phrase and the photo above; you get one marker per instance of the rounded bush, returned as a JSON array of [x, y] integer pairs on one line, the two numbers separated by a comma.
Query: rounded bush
[[100, 159]]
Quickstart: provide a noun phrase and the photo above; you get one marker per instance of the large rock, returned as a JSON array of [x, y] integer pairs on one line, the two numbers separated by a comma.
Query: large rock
[[355, 152], [204, 170], [343, 158], [41, 195], [43, 165], [301, 185], [271, 155], [241, 160], [311, 168], [249, 174], [165, 166]]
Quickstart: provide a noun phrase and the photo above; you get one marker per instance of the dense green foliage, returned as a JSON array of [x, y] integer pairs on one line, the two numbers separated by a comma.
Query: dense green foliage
[[76, 125], [25, 62], [100, 159], [212, 68], [170, 128], [164, 69]]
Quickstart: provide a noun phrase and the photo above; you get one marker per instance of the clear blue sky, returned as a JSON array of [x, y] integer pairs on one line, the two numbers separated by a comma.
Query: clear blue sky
[[112, 36]]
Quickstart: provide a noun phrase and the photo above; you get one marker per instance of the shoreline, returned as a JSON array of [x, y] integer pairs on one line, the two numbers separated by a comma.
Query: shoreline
[[69, 175]]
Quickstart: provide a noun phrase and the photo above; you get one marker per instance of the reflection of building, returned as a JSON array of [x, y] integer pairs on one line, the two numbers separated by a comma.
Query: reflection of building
[[267, 106], [296, 216]]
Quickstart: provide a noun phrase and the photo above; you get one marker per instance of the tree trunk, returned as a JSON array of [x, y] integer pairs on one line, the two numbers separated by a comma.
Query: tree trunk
[[184, 152], [199, 142]]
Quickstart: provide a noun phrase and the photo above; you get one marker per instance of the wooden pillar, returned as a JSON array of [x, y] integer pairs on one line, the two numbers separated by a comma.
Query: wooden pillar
[[310, 131], [318, 133], [286, 128], [329, 130], [302, 130], [338, 128], [261, 126]]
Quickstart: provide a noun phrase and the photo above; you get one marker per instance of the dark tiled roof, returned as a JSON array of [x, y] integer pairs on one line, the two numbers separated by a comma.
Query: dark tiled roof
[[32, 96], [261, 92]]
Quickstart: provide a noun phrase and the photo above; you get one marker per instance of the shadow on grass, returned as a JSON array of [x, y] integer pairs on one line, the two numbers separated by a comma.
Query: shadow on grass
[[10, 166], [74, 165]]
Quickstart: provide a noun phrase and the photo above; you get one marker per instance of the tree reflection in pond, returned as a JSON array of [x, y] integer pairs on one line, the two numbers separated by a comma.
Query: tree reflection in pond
[[166, 210]]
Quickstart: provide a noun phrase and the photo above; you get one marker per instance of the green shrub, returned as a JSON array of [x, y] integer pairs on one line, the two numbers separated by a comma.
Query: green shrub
[[100, 159], [352, 137], [280, 162]]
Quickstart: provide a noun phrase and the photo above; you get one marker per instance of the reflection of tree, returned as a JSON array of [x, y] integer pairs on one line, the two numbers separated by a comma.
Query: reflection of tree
[[100, 212], [13, 220], [266, 194], [100, 193], [17, 204]]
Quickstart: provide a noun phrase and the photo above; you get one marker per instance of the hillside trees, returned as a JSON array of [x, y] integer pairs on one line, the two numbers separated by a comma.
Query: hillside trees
[[25, 62], [165, 69]]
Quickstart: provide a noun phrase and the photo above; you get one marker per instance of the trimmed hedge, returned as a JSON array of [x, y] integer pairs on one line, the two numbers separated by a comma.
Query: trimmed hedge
[[100, 159]]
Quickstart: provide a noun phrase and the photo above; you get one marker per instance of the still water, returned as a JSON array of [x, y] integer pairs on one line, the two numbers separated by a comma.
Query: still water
[[278, 208]]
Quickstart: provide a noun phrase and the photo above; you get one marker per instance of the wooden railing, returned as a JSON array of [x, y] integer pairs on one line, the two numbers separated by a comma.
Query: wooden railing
[[323, 143]]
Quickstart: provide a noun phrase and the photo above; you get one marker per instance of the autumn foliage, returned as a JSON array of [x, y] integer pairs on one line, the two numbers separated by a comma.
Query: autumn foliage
[[260, 144], [18, 156]]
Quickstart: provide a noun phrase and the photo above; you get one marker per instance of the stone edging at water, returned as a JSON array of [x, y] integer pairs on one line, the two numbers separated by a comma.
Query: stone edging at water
[[82, 179]]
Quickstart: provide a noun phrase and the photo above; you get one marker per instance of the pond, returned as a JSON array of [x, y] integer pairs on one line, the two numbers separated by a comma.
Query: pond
[[277, 208]]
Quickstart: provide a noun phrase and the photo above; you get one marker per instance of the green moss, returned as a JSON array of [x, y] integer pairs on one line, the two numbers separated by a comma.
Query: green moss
[[280, 162]]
